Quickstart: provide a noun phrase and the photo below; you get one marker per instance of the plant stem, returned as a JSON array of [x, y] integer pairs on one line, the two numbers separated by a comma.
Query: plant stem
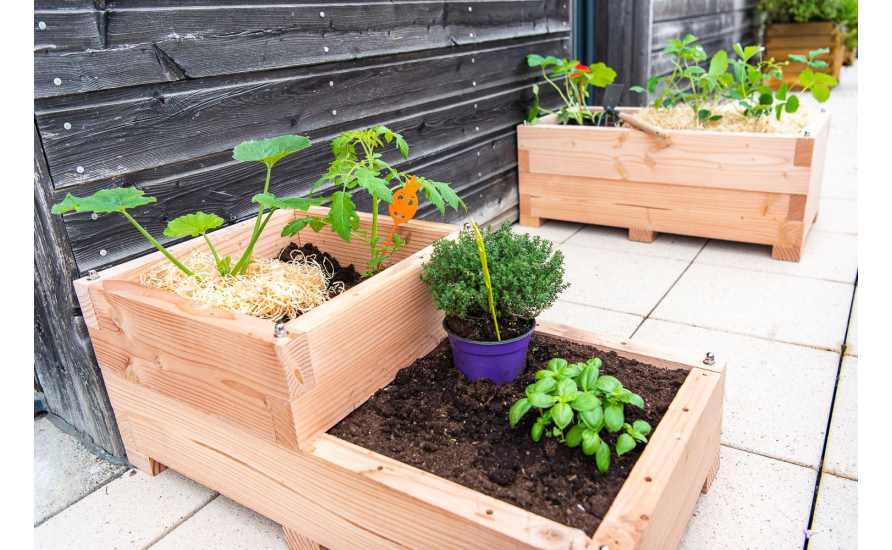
[[213, 250], [374, 244], [163, 250], [242, 264], [566, 101], [246, 257]]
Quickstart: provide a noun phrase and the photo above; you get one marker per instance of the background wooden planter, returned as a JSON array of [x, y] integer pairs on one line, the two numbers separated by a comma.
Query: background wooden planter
[[343, 496], [783, 39], [756, 188], [231, 365]]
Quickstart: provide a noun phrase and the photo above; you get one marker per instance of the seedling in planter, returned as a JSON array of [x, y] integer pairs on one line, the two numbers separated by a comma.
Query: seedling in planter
[[576, 78], [357, 164], [741, 82], [576, 396]]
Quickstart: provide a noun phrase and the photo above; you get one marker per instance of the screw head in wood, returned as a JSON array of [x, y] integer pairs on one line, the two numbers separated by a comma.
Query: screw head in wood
[[807, 133], [325, 49], [41, 25], [94, 216], [471, 34], [321, 14], [79, 169], [476, 128], [470, 8], [474, 83], [92, 275], [331, 83], [475, 105], [280, 330], [823, 109], [467, 225], [478, 153], [334, 112], [57, 81], [103, 252], [710, 358], [473, 60], [604, 547], [67, 126]]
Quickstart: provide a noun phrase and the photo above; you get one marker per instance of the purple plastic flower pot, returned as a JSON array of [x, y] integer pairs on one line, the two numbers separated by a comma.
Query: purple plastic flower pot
[[501, 362]]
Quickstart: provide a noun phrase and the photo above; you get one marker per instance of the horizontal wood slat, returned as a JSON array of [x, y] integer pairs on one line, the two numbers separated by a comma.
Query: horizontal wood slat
[[664, 10], [144, 46]]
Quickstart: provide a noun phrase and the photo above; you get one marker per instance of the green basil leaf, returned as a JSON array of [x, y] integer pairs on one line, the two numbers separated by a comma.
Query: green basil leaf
[[566, 387], [537, 431], [562, 415], [641, 427], [636, 400], [518, 410], [590, 442], [546, 385], [607, 383], [588, 377], [585, 402], [555, 365], [574, 436], [602, 458], [594, 418], [624, 444], [541, 400], [613, 417], [544, 374]]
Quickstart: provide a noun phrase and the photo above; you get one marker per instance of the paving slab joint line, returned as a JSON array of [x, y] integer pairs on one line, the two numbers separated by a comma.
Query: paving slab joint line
[[82, 497], [186, 518], [820, 472], [777, 458]]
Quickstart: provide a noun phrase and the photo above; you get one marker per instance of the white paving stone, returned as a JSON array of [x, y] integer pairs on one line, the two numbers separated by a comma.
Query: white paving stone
[[553, 230], [829, 256], [835, 525], [754, 503], [778, 307], [130, 512], [630, 283], [852, 335], [837, 216], [842, 444], [758, 368], [840, 186], [676, 247], [64, 470], [592, 318], [225, 525]]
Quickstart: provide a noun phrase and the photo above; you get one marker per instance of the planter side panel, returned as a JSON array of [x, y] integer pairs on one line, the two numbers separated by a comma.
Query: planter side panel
[[782, 40], [652, 509]]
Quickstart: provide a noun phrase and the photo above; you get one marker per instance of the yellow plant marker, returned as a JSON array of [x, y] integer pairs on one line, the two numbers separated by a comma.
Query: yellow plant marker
[[482, 250]]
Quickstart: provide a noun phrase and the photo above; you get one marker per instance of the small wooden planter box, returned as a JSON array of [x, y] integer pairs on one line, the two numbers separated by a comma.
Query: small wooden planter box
[[783, 39], [343, 496], [755, 188], [231, 365]]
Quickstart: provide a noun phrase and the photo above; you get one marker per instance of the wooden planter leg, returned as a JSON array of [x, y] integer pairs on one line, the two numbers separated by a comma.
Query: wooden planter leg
[[786, 253], [144, 464], [296, 541], [530, 221], [713, 470], [642, 235]]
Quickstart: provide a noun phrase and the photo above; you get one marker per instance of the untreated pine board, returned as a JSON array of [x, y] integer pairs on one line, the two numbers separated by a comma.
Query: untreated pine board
[[179, 125], [252, 38], [116, 236]]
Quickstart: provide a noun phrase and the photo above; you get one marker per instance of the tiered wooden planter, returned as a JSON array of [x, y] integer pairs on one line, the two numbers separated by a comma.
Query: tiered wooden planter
[[216, 396], [783, 39], [755, 188]]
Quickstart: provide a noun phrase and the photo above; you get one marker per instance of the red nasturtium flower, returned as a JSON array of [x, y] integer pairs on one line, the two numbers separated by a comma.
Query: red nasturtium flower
[[582, 69]]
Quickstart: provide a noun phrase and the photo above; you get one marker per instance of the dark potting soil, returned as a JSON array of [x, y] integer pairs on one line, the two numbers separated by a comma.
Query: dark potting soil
[[347, 275], [433, 418], [483, 330]]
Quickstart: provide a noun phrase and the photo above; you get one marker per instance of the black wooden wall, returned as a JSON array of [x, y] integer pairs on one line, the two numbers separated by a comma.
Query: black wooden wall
[[155, 94]]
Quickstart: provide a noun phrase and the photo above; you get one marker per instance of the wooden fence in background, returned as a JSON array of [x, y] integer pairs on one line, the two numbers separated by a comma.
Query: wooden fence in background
[[155, 94]]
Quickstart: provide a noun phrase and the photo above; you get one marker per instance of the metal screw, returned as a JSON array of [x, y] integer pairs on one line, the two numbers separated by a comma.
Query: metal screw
[[467, 225], [94, 216], [331, 82], [604, 547], [823, 109], [473, 60], [475, 105], [103, 252], [476, 128], [325, 49], [280, 330], [67, 126], [710, 358], [470, 8], [41, 25], [57, 81], [471, 35], [479, 174], [321, 14], [334, 111], [478, 153], [807, 133], [474, 83], [92, 275], [80, 169]]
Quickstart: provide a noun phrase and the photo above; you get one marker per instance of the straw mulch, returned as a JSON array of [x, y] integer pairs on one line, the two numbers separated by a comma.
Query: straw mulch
[[270, 289], [682, 117]]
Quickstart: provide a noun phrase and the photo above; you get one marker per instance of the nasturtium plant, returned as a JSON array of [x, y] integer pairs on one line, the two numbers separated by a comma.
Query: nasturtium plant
[[575, 403], [740, 82], [576, 78], [357, 164]]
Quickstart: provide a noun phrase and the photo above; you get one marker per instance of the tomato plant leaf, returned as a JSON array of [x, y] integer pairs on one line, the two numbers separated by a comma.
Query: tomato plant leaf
[[342, 215], [370, 181]]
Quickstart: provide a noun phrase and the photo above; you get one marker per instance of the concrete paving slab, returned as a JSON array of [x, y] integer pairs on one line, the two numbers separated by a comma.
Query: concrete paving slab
[[835, 525], [777, 307], [592, 318], [828, 256], [756, 367], [841, 458], [675, 247], [840, 186], [630, 283], [852, 336], [837, 216], [225, 525], [130, 512], [754, 503], [64, 470], [553, 230]]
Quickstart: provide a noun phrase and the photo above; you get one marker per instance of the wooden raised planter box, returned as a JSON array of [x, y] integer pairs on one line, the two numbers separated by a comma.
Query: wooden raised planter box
[[755, 188], [342, 496], [783, 39], [230, 365]]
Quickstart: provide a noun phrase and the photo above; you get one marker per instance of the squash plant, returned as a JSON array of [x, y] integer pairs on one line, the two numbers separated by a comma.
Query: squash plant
[[575, 398]]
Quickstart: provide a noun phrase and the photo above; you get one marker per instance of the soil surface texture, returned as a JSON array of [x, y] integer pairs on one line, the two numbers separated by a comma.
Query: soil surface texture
[[347, 275], [433, 418], [483, 330]]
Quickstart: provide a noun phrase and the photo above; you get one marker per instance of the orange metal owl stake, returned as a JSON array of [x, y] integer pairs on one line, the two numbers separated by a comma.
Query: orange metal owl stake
[[403, 207]]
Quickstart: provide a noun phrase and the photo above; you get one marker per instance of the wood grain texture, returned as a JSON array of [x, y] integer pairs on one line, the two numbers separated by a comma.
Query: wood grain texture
[[642, 235], [332, 493], [296, 541], [781, 40]]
